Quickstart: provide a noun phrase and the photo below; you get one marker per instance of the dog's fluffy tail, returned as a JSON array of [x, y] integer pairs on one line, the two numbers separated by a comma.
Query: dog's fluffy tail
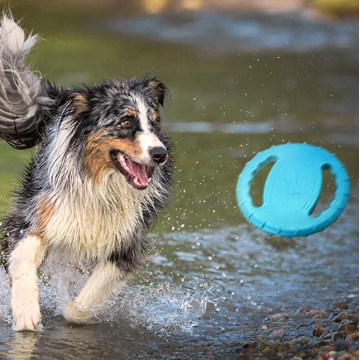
[[24, 103]]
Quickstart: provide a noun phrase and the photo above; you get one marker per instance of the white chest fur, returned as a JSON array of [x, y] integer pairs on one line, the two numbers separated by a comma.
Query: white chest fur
[[91, 222]]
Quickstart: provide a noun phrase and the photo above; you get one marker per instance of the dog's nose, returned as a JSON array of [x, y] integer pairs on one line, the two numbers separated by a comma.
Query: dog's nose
[[158, 154]]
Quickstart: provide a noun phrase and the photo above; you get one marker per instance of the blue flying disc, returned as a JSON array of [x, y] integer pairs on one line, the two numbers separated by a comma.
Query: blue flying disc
[[292, 190]]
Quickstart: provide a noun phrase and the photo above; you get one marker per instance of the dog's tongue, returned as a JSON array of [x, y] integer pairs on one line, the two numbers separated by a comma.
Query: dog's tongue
[[138, 171]]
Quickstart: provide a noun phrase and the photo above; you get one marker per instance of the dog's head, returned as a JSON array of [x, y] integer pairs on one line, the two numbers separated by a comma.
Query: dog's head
[[118, 127]]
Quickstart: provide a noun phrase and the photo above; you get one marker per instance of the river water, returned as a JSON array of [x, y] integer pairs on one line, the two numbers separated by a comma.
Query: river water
[[239, 84]]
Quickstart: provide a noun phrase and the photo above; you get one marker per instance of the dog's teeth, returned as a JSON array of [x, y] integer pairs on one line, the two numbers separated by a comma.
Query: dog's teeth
[[123, 162]]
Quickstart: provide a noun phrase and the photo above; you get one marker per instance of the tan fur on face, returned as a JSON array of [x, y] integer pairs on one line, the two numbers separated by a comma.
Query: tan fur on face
[[154, 116], [80, 104], [97, 153], [131, 112]]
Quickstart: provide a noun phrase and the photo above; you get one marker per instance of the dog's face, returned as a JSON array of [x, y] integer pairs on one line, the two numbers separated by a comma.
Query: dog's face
[[120, 122]]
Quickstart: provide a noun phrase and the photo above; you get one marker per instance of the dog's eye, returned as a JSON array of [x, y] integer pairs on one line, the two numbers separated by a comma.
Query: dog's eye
[[126, 123]]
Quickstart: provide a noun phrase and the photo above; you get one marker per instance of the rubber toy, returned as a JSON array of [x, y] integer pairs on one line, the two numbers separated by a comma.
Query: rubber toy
[[292, 190]]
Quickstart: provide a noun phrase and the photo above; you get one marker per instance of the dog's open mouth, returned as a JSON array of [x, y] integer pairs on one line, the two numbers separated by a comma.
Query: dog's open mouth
[[137, 175]]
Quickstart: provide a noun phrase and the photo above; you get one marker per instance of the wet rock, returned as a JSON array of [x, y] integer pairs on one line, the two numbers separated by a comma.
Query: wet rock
[[316, 343], [241, 357], [341, 305], [326, 336], [250, 345], [317, 314], [323, 356], [277, 317], [347, 328], [349, 356], [343, 315], [276, 324], [269, 355], [318, 331], [338, 335], [329, 348], [275, 346], [302, 339], [277, 334], [354, 347], [353, 337], [326, 355], [341, 345]]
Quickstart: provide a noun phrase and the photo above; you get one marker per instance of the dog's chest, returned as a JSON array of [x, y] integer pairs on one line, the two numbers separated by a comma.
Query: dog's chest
[[92, 227]]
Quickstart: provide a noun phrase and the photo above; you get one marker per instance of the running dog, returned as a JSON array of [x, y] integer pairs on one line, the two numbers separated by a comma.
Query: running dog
[[100, 174]]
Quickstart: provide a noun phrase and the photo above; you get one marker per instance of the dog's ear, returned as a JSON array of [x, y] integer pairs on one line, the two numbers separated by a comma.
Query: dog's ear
[[160, 91]]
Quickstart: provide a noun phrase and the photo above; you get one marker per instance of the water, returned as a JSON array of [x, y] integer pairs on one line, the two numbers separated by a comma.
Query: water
[[213, 280]]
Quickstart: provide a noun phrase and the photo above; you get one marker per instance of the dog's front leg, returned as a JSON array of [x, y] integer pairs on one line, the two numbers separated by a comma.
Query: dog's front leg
[[106, 278], [24, 261]]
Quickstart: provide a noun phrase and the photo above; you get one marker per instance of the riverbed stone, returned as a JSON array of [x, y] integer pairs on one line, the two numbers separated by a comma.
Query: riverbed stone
[[349, 356], [341, 345], [338, 335], [276, 317], [341, 305], [317, 314], [353, 337], [347, 328], [343, 315], [318, 331]]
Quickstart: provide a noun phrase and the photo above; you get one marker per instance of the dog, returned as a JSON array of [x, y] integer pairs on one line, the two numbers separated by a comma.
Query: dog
[[101, 173]]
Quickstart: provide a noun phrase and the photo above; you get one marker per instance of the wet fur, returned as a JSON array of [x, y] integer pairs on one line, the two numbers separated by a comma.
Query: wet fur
[[71, 197]]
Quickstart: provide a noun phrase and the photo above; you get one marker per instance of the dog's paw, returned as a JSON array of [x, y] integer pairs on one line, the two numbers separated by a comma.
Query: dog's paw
[[27, 318], [25, 306], [74, 315]]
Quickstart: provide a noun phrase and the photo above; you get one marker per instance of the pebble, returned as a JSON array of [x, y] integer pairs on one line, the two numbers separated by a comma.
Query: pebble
[[353, 337], [341, 305], [277, 334], [315, 343], [276, 324], [317, 314], [319, 331], [343, 315], [347, 356], [338, 335], [302, 339], [341, 345], [347, 328], [277, 317]]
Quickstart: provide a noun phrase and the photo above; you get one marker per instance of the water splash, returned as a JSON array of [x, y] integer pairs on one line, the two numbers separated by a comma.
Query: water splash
[[5, 296], [162, 307]]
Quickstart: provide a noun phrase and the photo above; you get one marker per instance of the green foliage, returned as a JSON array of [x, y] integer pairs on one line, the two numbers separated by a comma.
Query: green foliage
[[338, 7]]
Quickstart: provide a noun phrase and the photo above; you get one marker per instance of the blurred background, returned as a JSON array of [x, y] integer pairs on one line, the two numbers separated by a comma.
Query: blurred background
[[243, 75]]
